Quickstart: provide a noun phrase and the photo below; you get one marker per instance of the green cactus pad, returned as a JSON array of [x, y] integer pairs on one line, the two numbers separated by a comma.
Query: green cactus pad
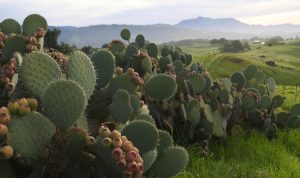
[[149, 158], [249, 103], [140, 40], [294, 122], [188, 59], [265, 102], [125, 34], [131, 51], [282, 119], [165, 141], [182, 113], [104, 65], [163, 62], [146, 64], [76, 140], [295, 111], [260, 77], [164, 51], [117, 47], [179, 66], [175, 55], [121, 82], [239, 79], [262, 89], [81, 70], [146, 117], [277, 101], [32, 22], [13, 45], [64, 102], [224, 96], [218, 126], [271, 85], [30, 134], [250, 72], [170, 163], [8, 26], [194, 67], [152, 50], [227, 84], [161, 87], [120, 107], [143, 135], [38, 71], [198, 82], [135, 104], [194, 116]]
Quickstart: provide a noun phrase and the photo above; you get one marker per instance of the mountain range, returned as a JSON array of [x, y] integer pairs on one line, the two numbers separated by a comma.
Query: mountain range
[[197, 28]]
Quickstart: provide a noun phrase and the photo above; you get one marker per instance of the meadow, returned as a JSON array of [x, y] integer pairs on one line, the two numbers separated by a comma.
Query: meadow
[[251, 154]]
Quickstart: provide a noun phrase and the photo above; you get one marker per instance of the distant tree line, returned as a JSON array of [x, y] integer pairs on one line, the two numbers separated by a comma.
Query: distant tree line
[[230, 45]]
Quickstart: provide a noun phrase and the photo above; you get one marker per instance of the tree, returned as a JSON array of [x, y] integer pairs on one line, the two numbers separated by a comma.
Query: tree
[[51, 38]]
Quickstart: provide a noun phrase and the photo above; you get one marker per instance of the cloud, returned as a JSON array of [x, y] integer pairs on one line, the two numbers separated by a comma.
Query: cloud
[[89, 12]]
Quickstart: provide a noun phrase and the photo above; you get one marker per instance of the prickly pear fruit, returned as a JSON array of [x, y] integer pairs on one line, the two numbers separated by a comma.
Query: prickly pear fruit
[[115, 134], [104, 132], [3, 130], [6, 152], [107, 142], [4, 110], [22, 101], [117, 153], [23, 110], [131, 166], [127, 146], [122, 163], [13, 107], [131, 156], [117, 142], [4, 118], [32, 103]]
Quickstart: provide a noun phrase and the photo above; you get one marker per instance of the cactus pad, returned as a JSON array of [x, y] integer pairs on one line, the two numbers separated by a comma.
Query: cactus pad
[[161, 87], [12, 45], [179, 66], [170, 163], [163, 62], [131, 51], [249, 103], [295, 111], [265, 102], [140, 40], [81, 70], [8, 26], [32, 22], [120, 107], [198, 83], [64, 102], [121, 82], [37, 71], [165, 141], [30, 134], [149, 158], [250, 72], [239, 79], [277, 101], [125, 34], [104, 65], [260, 77], [152, 50], [143, 135], [146, 117], [146, 64], [271, 85]]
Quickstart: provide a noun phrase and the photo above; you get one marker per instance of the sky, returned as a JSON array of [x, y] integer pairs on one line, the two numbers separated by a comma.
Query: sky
[[92, 12]]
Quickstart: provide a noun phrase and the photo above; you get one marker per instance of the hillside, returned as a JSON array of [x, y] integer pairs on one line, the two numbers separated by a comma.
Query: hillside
[[198, 28]]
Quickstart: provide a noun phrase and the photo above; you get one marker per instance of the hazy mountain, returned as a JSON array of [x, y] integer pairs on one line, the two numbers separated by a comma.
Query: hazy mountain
[[198, 28]]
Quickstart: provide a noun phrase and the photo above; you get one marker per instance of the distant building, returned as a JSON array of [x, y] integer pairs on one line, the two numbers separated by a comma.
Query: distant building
[[258, 42]]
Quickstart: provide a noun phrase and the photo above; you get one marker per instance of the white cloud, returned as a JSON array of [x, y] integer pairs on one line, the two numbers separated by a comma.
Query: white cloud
[[89, 12]]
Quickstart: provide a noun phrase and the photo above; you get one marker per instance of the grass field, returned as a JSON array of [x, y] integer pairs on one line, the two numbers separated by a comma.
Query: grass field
[[251, 155]]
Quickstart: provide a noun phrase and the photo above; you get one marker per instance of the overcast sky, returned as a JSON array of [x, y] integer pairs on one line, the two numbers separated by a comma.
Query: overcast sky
[[91, 12]]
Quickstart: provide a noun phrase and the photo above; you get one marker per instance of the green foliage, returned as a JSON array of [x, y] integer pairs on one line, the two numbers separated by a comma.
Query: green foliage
[[140, 40], [121, 82], [125, 34], [120, 107], [13, 45]]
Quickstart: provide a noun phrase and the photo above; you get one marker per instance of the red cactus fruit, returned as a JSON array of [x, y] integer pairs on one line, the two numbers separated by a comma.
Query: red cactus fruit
[[4, 118], [13, 107], [131, 156], [119, 71], [23, 110], [10, 72], [22, 101], [29, 47], [115, 134], [32, 103], [127, 146], [9, 87], [89, 140], [6, 152], [135, 149], [107, 142], [140, 167], [131, 166], [3, 130], [127, 174], [122, 163], [139, 159], [117, 142], [117, 153]]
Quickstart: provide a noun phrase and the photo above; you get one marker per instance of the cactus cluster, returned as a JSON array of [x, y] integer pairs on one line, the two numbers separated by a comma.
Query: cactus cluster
[[115, 114]]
